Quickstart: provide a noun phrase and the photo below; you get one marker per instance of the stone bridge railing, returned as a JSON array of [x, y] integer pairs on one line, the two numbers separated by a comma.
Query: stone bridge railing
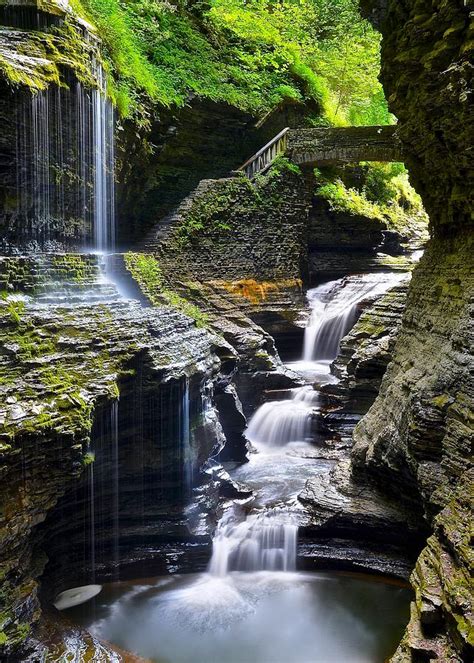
[[308, 147], [325, 145]]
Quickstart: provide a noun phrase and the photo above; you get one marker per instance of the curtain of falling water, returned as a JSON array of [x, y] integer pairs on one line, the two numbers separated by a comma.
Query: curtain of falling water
[[65, 155], [104, 159], [92, 521], [186, 439]]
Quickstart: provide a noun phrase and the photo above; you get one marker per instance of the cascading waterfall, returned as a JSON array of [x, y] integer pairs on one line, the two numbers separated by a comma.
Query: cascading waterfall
[[261, 542], [334, 311], [267, 540], [277, 423], [65, 155]]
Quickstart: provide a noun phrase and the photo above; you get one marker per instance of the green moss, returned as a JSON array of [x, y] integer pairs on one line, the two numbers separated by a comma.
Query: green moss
[[74, 267], [15, 308], [88, 458], [441, 401], [384, 195], [146, 271], [215, 213], [36, 58]]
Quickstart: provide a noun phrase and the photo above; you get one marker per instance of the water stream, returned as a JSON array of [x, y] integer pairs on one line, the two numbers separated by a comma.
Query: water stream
[[252, 606]]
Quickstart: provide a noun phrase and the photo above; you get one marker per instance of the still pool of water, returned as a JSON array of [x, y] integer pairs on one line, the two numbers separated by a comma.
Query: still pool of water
[[263, 617]]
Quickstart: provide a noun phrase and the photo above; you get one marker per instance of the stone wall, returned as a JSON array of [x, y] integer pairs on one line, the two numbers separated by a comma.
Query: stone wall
[[416, 438], [315, 146], [233, 229]]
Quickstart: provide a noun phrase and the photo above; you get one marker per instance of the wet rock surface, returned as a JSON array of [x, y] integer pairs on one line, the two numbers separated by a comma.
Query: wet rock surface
[[64, 362], [416, 440], [366, 352]]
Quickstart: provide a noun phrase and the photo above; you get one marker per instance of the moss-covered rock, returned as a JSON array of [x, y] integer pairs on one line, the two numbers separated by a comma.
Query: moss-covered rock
[[63, 355], [416, 440]]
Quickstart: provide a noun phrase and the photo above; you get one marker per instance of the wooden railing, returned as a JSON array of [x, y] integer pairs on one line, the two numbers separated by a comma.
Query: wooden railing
[[263, 159]]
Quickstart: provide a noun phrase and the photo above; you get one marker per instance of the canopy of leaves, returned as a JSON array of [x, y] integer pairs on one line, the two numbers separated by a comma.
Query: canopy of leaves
[[250, 53]]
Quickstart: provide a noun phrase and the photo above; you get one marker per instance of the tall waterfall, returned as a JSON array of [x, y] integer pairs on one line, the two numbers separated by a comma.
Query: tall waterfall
[[187, 452], [65, 154], [104, 162]]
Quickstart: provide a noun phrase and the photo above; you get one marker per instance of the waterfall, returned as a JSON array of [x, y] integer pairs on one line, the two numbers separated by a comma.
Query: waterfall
[[334, 311], [277, 423], [187, 452], [104, 159], [261, 542], [92, 519], [65, 154]]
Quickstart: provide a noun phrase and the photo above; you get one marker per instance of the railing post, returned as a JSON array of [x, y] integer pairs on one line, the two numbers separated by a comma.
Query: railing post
[[265, 156]]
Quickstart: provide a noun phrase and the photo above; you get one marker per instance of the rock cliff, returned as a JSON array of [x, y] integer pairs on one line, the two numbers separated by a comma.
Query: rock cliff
[[416, 440], [97, 395]]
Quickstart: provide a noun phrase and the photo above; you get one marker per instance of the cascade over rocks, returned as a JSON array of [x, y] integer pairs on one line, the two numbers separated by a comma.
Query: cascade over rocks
[[115, 413]]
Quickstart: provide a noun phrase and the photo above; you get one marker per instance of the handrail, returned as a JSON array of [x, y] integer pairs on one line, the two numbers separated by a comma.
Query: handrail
[[263, 159]]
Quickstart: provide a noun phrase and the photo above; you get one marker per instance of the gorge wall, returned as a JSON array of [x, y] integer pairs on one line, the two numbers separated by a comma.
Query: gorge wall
[[217, 277], [92, 384], [418, 435]]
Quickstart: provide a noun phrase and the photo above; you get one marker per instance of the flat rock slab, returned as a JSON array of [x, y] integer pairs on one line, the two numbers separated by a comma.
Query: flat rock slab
[[335, 500]]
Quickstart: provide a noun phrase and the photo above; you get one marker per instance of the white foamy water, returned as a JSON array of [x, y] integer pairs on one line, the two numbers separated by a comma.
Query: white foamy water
[[334, 310], [261, 542]]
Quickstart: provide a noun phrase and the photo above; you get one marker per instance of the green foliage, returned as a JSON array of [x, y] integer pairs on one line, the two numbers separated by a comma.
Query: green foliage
[[379, 183], [283, 165], [252, 54], [88, 458], [383, 194], [350, 200], [146, 271], [14, 306]]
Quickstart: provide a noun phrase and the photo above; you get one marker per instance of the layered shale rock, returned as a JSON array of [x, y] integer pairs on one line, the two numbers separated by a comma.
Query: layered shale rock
[[237, 250], [72, 347], [416, 440]]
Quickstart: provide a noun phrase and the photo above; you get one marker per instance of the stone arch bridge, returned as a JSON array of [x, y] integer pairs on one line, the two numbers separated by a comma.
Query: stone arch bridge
[[325, 145]]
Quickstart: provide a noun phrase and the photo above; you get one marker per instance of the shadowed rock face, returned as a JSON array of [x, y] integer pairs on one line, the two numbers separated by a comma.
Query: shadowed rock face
[[415, 441], [426, 72]]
